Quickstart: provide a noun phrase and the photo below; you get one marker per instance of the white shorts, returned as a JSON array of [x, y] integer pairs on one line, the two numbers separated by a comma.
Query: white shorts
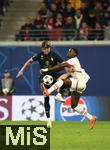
[[78, 85]]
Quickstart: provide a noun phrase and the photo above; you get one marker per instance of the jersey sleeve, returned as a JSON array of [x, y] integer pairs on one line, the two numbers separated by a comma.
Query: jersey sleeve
[[70, 61], [36, 57]]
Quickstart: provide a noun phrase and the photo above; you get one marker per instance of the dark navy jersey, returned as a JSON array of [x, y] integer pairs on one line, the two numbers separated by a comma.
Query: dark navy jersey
[[47, 61]]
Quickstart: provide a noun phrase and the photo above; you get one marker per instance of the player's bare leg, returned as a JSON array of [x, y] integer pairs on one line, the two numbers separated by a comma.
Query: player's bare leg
[[47, 111], [61, 80], [47, 108], [66, 83], [49, 123], [92, 122], [56, 86], [75, 96], [45, 90]]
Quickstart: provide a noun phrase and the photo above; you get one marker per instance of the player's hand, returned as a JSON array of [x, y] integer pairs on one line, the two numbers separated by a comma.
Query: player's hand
[[5, 91], [44, 70], [20, 73]]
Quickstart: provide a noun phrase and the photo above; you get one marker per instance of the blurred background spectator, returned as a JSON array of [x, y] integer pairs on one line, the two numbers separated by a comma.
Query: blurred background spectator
[[4, 6], [7, 85], [96, 33], [43, 10], [107, 31], [69, 11], [84, 31], [69, 20], [27, 31], [69, 29], [49, 26], [58, 27], [39, 27], [75, 3]]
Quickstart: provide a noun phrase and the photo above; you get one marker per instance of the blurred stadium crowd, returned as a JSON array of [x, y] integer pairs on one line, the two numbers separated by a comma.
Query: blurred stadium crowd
[[68, 20]]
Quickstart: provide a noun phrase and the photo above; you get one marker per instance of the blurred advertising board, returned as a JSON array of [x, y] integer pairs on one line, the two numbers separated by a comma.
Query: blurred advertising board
[[24, 108], [95, 105]]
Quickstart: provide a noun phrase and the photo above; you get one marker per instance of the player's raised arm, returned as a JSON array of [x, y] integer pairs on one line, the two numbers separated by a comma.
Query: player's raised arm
[[26, 65]]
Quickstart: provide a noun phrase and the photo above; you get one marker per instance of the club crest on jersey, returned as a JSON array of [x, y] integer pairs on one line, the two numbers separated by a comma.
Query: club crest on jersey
[[68, 114], [42, 57], [51, 58], [47, 63]]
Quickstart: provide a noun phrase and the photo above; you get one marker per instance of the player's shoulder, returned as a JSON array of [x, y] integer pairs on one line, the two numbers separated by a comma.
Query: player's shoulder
[[72, 60], [36, 56], [54, 54]]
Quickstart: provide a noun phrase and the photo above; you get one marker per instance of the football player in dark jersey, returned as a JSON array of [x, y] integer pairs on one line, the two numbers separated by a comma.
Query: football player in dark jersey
[[46, 59]]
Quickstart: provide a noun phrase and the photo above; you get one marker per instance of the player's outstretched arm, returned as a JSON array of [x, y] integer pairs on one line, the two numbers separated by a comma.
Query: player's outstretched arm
[[57, 67], [26, 65]]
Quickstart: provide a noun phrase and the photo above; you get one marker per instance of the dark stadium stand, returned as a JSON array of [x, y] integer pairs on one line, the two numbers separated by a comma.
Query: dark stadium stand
[[4, 4], [55, 20], [16, 16], [69, 20]]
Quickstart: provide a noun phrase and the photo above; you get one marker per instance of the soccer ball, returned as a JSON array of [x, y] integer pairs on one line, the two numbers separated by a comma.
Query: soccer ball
[[47, 79], [33, 109]]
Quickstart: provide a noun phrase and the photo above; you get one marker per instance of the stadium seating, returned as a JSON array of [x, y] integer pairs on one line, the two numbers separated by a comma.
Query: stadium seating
[[57, 20], [69, 20], [17, 15]]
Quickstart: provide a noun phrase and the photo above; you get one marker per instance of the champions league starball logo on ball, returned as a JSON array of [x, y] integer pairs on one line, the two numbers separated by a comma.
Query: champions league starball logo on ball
[[69, 114]]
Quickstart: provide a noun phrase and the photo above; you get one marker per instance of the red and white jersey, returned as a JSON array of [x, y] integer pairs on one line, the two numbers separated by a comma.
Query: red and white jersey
[[76, 70]]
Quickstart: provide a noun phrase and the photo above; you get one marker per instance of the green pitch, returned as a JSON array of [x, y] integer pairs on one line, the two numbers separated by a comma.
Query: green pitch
[[76, 135]]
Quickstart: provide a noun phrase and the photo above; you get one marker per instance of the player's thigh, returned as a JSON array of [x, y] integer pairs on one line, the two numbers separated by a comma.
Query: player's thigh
[[67, 83], [74, 84], [78, 85], [81, 86], [75, 96]]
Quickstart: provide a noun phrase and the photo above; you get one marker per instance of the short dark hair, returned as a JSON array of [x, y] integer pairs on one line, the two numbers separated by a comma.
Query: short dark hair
[[46, 44], [75, 50], [5, 72]]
